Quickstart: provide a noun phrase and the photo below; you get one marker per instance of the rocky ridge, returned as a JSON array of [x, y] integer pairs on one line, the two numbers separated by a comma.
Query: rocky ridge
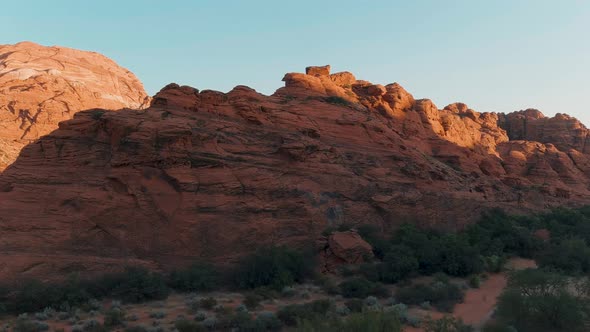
[[42, 86], [211, 175]]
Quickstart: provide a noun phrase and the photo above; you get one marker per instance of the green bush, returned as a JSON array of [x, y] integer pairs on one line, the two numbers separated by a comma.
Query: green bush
[[447, 324], [265, 321], [184, 325], [138, 328], [494, 264], [197, 277], [474, 281], [33, 295], [369, 321], [275, 267], [252, 301], [443, 296], [208, 303], [398, 263], [361, 288], [114, 317], [291, 314], [335, 100], [570, 256], [537, 300], [139, 285], [498, 327], [375, 238], [355, 305]]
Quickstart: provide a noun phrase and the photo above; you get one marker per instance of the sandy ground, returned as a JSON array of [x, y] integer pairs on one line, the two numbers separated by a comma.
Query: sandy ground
[[479, 303]]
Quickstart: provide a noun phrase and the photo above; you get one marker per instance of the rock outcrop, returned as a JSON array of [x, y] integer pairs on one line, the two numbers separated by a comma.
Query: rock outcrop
[[343, 248], [210, 175], [41, 86], [562, 130]]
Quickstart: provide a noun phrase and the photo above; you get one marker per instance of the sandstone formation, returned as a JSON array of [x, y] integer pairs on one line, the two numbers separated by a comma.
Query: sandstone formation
[[562, 130], [341, 248], [210, 175], [41, 86]]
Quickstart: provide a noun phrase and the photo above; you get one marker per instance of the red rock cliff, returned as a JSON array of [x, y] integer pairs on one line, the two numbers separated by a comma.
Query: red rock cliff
[[41, 86], [211, 175]]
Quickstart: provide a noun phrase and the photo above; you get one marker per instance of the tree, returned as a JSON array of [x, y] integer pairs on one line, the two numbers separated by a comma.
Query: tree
[[397, 264], [570, 256], [537, 300]]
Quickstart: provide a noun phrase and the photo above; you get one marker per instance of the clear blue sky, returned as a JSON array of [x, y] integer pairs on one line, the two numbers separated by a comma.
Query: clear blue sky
[[500, 55]]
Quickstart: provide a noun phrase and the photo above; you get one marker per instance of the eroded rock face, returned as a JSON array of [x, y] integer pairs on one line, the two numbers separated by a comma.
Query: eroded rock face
[[562, 130], [343, 248], [41, 86], [211, 176]]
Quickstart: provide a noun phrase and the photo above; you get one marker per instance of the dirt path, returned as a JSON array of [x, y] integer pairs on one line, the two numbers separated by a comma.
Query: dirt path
[[479, 303]]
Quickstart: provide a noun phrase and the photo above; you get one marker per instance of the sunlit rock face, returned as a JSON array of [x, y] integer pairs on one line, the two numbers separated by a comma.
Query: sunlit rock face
[[42, 86]]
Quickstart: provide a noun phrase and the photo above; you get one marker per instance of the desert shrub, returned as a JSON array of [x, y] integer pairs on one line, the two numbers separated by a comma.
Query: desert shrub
[[398, 263], [426, 305], [375, 238], [322, 306], [537, 300], [138, 285], [267, 293], [494, 264], [425, 245], [200, 316], [570, 256], [293, 313], [370, 321], [458, 256], [33, 295], [435, 252], [442, 296], [343, 310], [447, 324], [93, 326], [157, 314], [564, 223], [265, 321], [197, 277], [498, 327], [361, 288], [335, 100], [252, 301], [207, 303], [371, 301], [275, 267], [474, 281], [114, 317], [327, 284], [25, 324], [498, 234], [210, 323], [222, 310], [138, 328], [288, 291], [184, 325], [355, 305], [348, 270]]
